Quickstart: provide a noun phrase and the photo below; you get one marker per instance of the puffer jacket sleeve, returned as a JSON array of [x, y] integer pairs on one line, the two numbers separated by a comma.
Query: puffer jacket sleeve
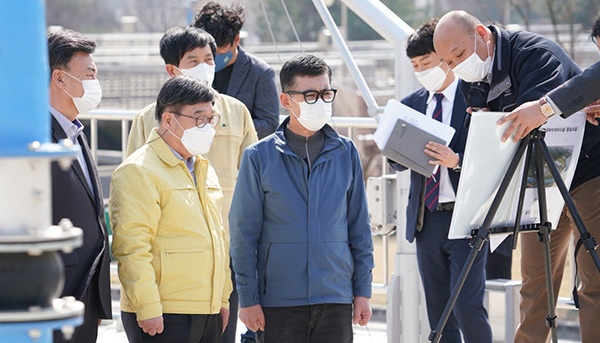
[[134, 213]]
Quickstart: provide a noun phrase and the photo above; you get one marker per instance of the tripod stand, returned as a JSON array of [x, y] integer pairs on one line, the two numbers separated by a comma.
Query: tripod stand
[[536, 147]]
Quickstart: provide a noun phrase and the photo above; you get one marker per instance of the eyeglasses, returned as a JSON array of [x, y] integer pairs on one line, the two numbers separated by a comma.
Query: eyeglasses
[[201, 121], [311, 96]]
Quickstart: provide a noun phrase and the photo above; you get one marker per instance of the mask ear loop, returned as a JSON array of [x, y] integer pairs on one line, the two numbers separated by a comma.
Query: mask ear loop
[[181, 127], [292, 111]]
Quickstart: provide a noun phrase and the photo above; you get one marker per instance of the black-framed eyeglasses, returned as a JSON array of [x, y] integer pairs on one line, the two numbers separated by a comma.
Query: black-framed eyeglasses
[[311, 96], [201, 121]]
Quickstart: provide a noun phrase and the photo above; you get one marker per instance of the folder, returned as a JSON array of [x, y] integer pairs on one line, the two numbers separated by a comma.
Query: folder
[[406, 145]]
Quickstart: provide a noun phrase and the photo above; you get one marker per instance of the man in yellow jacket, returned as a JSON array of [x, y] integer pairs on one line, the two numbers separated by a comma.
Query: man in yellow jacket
[[169, 240], [190, 51]]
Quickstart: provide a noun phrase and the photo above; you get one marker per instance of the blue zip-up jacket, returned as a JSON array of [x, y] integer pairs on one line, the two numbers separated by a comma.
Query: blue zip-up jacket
[[300, 238]]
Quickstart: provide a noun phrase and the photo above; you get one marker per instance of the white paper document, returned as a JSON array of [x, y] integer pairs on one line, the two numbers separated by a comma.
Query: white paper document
[[395, 110], [485, 162]]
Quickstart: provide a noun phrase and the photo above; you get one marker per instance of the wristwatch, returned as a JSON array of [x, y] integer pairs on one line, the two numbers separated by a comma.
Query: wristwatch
[[457, 168], [547, 109]]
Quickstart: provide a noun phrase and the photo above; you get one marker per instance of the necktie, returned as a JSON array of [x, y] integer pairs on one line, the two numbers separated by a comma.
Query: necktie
[[432, 187]]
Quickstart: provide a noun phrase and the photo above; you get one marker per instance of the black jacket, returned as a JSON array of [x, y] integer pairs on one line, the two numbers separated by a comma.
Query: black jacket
[[73, 199], [526, 67]]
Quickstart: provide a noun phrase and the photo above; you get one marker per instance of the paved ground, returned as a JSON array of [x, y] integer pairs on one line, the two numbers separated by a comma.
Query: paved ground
[[375, 332]]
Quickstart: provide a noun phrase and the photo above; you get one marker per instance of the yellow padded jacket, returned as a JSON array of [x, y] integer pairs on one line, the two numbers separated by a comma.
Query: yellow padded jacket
[[169, 241]]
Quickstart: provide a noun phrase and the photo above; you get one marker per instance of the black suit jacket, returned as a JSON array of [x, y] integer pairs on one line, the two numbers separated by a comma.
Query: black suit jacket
[[414, 211], [72, 198]]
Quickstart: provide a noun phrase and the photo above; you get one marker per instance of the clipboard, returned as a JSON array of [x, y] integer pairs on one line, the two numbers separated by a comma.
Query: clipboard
[[406, 146]]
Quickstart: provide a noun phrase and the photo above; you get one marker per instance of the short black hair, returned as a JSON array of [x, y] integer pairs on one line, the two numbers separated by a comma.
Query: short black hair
[[179, 40], [63, 44], [182, 91], [223, 23], [420, 42], [302, 65], [596, 28]]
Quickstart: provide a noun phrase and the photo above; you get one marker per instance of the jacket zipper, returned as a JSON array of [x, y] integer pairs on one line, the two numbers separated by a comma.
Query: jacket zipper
[[266, 265]]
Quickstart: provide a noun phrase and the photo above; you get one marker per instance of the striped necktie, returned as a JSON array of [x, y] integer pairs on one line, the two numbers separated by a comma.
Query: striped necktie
[[432, 187]]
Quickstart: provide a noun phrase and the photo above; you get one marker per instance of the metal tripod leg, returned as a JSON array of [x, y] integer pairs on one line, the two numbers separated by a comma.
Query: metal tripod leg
[[544, 232], [478, 240]]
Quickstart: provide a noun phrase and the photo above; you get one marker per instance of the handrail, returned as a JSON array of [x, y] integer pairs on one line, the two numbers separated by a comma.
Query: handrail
[[126, 116]]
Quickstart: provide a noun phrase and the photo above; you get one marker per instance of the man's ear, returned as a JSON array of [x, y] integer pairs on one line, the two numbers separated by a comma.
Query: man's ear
[[172, 70], [57, 78], [481, 31], [236, 41], [285, 101], [166, 119]]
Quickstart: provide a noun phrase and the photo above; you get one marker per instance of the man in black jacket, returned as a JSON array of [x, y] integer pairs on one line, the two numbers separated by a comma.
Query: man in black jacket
[[76, 191], [513, 68]]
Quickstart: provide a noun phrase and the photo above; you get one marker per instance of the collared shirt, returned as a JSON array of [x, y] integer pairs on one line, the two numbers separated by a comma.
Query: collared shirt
[[73, 129], [446, 190], [189, 162]]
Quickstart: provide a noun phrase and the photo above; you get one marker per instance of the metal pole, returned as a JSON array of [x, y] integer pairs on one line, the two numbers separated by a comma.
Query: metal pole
[[372, 106]]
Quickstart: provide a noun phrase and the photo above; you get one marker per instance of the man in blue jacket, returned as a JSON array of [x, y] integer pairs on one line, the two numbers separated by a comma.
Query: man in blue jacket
[[300, 235], [431, 200]]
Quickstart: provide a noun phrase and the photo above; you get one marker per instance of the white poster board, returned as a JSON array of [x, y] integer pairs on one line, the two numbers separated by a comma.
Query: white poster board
[[485, 162]]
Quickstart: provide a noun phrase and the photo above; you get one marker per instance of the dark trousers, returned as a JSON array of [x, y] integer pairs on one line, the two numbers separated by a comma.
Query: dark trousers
[[441, 261], [323, 323], [179, 328], [499, 262], [88, 331], [229, 334]]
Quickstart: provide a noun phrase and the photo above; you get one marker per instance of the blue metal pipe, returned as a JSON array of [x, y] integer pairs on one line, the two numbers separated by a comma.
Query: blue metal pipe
[[24, 77]]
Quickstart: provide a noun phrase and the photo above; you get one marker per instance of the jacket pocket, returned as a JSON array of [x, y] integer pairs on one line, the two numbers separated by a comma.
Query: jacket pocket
[[266, 268], [186, 274]]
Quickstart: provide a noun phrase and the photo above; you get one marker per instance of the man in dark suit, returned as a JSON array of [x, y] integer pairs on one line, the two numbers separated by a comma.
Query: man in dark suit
[[76, 191], [431, 200], [238, 73]]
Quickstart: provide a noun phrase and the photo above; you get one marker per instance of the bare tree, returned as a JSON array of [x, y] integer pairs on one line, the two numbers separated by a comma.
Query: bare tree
[[159, 15]]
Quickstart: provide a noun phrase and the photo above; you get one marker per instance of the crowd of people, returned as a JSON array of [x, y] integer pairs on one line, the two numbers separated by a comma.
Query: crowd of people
[[220, 212]]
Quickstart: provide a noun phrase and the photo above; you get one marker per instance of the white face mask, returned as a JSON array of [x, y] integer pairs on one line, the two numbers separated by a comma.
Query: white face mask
[[432, 79], [92, 95], [313, 116], [196, 140], [473, 69], [202, 72]]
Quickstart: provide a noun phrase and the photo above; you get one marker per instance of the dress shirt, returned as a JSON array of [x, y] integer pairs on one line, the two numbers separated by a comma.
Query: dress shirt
[[73, 129], [446, 190]]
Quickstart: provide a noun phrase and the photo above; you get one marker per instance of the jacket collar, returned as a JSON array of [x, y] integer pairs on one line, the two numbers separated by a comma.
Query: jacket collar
[[164, 151], [239, 72], [332, 139], [501, 81]]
